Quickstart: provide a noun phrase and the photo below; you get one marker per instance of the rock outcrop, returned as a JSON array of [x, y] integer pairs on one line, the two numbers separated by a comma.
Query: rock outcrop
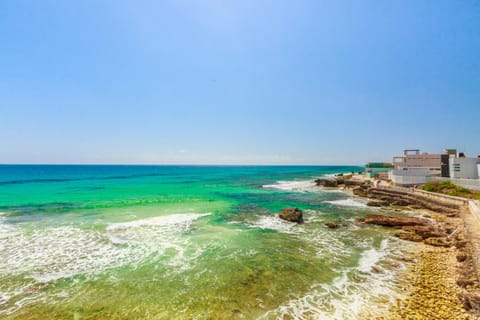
[[396, 197], [292, 215], [390, 221], [414, 229], [326, 182], [426, 231], [341, 180], [409, 236], [377, 203]]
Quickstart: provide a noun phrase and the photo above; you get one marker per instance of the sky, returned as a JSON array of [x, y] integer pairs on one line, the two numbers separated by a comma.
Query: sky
[[237, 82]]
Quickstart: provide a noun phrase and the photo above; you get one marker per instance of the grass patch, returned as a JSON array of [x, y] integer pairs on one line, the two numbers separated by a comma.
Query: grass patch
[[448, 188]]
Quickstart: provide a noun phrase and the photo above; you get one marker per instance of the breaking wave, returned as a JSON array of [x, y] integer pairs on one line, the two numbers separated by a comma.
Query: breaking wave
[[351, 202], [362, 292], [273, 223], [44, 255], [300, 186]]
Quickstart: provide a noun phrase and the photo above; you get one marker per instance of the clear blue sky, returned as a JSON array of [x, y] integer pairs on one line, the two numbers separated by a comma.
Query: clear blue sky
[[304, 82]]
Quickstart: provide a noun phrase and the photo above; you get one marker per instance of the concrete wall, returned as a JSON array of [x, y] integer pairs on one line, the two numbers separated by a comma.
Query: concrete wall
[[420, 160], [473, 184], [474, 207], [472, 223], [464, 168], [424, 160], [440, 197], [409, 177]]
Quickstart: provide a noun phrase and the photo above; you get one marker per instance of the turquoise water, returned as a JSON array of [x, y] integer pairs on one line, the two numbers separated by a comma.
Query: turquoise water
[[187, 242]]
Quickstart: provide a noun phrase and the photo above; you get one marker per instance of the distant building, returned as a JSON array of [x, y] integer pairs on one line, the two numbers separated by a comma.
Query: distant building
[[416, 168], [437, 163], [464, 168], [373, 169]]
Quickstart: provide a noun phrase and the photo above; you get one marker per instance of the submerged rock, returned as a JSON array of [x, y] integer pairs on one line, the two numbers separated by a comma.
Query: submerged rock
[[332, 225], [292, 215]]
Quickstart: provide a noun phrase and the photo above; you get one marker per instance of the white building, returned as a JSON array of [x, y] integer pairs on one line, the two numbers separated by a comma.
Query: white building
[[415, 168], [410, 176], [464, 168]]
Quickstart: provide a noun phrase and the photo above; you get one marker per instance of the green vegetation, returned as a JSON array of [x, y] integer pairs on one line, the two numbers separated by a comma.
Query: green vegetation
[[379, 165], [448, 188]]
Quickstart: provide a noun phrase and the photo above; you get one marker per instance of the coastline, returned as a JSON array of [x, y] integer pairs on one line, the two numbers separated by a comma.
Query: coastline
[[439, 281], [370, 277]]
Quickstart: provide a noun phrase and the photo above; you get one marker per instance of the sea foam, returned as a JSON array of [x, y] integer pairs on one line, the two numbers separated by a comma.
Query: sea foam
[[299, 186], [182, 220], [356, 293], [272, 223], [49, 254], [351, 202]]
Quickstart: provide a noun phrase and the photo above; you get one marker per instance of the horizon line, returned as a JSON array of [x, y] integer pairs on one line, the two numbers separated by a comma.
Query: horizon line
[[177, 164]]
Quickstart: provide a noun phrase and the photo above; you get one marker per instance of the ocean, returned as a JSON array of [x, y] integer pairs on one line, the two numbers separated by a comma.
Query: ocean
[[188, 242]]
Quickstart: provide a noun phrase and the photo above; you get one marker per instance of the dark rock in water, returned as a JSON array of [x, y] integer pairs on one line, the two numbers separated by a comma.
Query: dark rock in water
[[410, 236], [327, 182], [292, 214], [332, 225], [390, 221]]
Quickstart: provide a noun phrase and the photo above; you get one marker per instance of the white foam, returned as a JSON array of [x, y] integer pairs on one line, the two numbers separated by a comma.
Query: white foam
[[272, 223], [371, 257], [299, 186], [350, 202], [6, 231], [162, 221], [48, 254], [353, 294]]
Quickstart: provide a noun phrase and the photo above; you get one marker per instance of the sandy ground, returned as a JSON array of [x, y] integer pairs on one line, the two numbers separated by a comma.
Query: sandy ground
[[431, 288]]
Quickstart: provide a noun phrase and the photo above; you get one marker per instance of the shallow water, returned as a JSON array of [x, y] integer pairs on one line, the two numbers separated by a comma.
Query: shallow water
[[172, 242]]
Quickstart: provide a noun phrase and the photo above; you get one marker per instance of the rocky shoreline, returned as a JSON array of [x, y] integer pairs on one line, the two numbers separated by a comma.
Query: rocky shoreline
[[441, 279]]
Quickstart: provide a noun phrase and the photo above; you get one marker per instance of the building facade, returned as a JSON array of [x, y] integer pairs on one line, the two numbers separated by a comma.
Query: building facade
[[464, 168]]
